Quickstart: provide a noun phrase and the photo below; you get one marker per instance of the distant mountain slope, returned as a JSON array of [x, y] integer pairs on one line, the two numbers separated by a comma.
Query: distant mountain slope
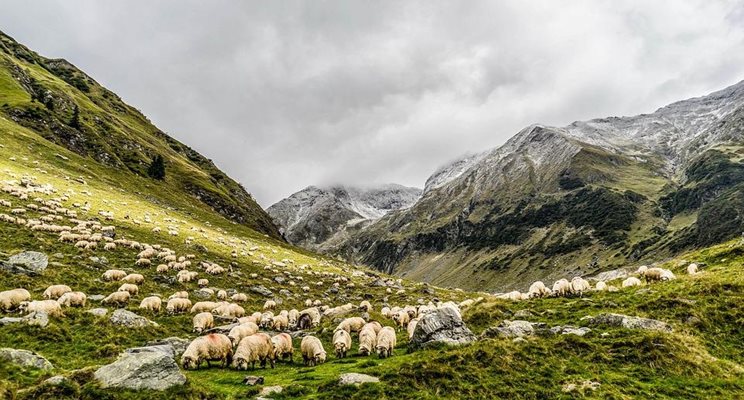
[[317, 217], [579, 199], [67, 107]]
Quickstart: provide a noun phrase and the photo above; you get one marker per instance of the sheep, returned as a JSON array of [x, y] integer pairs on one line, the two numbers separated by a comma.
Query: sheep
[[239, 332], [152, 304], [134, 278], [401, 318], [601, 286], [353, 324], [632, 281], [56, 291], [203, 283], [221, 295], [282, 344], [184, 276], [562, 287], [312, 351], [341, 342], [367, 340], [113, 275], [692, 269], [203, 321], [257, 347], [109, 246], [658, 274], [129, 287], [161, 269], [178, 306], [642, 270], [239, 297], [212, 347], [579, 285], [118, 298], [269, 305], [412, 327], [203, 306], [280, 322], [537, 289], [229, 310], [365, 306], [386, 342], [179, 295], [143, 262], [51, 307], [72, 299], [11, 299]]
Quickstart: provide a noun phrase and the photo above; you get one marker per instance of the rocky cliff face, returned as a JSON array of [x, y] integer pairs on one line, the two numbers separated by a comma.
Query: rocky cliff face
[[317, 218], [578, 199]]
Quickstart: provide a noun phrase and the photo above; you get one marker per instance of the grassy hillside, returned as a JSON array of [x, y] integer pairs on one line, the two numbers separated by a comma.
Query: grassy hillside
[[67, 107]]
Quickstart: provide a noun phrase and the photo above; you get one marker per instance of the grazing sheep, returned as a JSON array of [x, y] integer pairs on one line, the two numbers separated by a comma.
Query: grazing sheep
[[386, 342], [129, 287], [562, 287], [134, 278], [280, 323], [376, 326], [401, 318], [537, 289], [51, 307], [341, 342], [601, 286], [353, 324], [692, 269], [203, 306], [178, 306], [365, 306], [314, 314], [143, 262], [212, 347], [243, 330], [632, 281], [203, 321], [367, 340], [152, 304], [203, 283], [161, 269], [56, 291], [283, 348], [229, 310], [657, 274], [113, 275], [11, 299], [269, 305], [292, 316], [109, 246], [312, 351], [72, 299], [641, 270], [221, 295], [239, 297], [412, 327], [579, 285], [257, 347], [118, 298], [180, 295]]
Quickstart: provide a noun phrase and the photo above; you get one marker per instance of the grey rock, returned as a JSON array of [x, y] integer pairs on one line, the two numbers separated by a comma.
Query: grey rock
[[443, 325], [55, 380], [98, 312], [10, 320], [202, 294], [152, 370], [251, 380], [269, 390], [37, 318], [510, 329], [379, 282], [260, 289], [519, 340], [223, 329], [523, 314], [98, 260], [353, 378], [629, 322], [129, 319], [279, 279], [25, 359], [569, 330], [620, 273], [58, 255], [27, 262], [178, 344], [96, 297]]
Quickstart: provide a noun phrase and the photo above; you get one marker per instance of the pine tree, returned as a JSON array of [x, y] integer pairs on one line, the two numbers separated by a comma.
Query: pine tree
[[156, 170], [75, 120]]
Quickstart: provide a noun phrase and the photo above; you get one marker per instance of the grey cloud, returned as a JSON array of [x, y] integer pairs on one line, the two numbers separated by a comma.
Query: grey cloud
[[285, 94]]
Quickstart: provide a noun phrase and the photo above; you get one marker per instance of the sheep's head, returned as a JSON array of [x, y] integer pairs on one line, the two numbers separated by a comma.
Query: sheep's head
[[340, 347], [240, 363], [189, 362], [320, 357], [23, 306], [381, 351]]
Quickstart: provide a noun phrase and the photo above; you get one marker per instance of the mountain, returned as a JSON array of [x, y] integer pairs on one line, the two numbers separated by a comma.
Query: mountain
[[67, 107], [318, 218], [591, 196]]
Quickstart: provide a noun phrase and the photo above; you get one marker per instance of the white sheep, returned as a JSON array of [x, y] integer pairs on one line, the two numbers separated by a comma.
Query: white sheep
[[179, 295], [243, 330], [353, 324], [56, 291], [386, 341], [151, 303], [412, 327], [212, 347], [72, 299], [221, 295], [229, 310], [113, 275], [280, 322], [282, 344], [11, 299], [562, 287], [203, 321], [178, 306], [632, 281], [601, 286], [239, 297], [537, 289], [118, 298], [203, 306], [367, 340], [129, 287], [257, 347], [312, 351], [341, 342], [692, 269], [134, 278], [269, 305], [51, 307]]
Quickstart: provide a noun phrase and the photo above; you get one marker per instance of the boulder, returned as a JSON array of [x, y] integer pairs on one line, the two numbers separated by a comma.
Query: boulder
[[202, 294], [37, 318], [27, 262], [98, 312], [25, 359], [129, 319], [510, 329], [629, 322], [443, 325], [260, 289], [569, 330], [353, 378], [176, 343], [154, 370], [269, 390]]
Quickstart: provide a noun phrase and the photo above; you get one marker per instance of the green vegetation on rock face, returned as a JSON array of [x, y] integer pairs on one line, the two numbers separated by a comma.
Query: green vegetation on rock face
[[67, 107]]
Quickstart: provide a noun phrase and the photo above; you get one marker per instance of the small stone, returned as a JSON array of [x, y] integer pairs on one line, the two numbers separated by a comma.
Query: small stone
[[353, 378], [25, 359], [269, 390], [129, 319], [96, 297], [55, 380]]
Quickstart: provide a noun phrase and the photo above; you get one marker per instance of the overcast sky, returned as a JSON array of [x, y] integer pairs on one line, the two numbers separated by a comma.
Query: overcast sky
[[285, 94]]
